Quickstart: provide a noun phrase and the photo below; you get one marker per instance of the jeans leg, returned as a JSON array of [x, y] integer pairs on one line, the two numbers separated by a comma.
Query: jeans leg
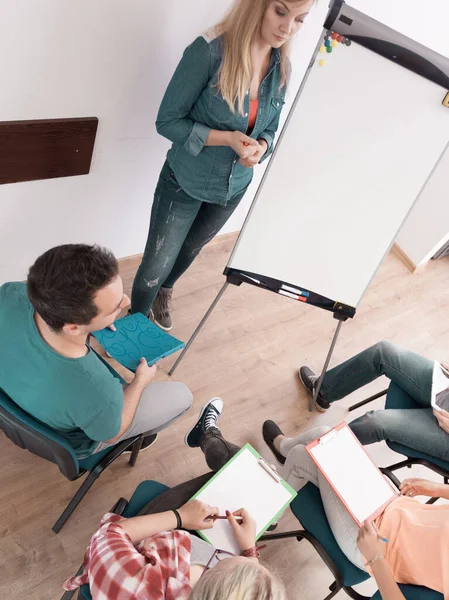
[[208, 222], [412, 372], [217, 451], [299, 470], [415, 428], [172, 215]]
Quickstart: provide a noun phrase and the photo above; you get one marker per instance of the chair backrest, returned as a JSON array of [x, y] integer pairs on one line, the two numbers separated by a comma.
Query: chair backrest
[[414, 592], [27, 433]]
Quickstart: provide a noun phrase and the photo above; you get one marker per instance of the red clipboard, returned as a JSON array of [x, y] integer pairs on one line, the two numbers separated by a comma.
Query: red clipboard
[[352, 474]]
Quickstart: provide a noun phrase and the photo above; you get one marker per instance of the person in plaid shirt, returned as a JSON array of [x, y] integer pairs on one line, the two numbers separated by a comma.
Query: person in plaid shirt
[[147, 558], [154, 557]]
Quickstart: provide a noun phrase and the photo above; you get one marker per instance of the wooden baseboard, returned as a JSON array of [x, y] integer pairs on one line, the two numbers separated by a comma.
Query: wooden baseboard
[[406, 259]]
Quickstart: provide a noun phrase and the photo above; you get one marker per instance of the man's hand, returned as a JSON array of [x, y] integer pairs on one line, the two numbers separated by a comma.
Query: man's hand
[[443, 419], [253, 160], [420, 487], [112, 327], [145, 374]]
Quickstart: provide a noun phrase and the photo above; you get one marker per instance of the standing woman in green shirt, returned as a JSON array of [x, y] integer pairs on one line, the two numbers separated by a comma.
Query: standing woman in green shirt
[[221, 110]]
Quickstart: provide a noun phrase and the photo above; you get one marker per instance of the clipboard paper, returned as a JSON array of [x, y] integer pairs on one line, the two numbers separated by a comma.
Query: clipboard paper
[[244, 483], [350, 471]]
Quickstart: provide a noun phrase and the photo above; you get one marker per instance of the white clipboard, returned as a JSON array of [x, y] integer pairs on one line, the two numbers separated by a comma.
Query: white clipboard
[[358, 482], [246, 481]]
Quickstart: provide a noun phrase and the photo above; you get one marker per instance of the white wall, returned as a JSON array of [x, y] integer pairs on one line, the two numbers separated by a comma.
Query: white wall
[[112, 59], [426, 229]]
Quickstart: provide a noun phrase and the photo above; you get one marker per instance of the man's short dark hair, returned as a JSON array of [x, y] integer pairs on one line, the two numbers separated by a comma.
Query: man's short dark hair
[[63, 281]]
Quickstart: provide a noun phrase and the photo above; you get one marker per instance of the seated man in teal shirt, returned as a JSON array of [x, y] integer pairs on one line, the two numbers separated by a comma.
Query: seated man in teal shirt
[[47, 367]]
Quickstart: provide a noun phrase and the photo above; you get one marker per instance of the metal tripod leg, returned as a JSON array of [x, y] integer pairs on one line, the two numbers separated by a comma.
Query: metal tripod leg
[[198, 329], [312, 401]]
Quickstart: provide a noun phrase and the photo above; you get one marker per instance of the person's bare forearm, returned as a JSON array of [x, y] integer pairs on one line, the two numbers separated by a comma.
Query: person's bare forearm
[[218, 138], [444, 491], [132, 396], [140, 528], [388, 587]]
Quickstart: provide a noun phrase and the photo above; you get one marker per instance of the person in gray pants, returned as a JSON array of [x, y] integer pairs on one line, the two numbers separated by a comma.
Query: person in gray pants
[[422, 429]]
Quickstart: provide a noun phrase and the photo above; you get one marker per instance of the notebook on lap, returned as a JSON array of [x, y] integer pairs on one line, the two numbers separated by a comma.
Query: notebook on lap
[[136, 337]]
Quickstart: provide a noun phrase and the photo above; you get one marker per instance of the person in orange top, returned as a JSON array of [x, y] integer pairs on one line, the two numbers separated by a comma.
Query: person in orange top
[[418, 548]]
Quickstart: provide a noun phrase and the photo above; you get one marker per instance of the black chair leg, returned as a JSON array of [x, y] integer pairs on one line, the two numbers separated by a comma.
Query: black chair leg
[[355, 595], [386, 471], [135, 451], [82, 491], [367, 401], [334, 588], [432, 500]]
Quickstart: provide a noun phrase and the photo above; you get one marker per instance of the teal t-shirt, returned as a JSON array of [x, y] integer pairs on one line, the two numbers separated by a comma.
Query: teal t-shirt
[[78, 397]]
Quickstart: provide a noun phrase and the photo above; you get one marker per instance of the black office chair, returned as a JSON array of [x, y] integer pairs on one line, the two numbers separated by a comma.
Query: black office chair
[[29, 434]]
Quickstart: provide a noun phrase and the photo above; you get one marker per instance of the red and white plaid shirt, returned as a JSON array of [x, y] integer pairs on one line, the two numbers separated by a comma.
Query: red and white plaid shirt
[[157, 569]]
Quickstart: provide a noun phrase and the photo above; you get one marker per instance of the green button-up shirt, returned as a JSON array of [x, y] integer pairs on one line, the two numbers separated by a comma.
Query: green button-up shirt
[[192, 106]]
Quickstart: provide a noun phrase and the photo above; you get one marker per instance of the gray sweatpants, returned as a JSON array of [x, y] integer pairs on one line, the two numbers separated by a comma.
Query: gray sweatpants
[[299, 469], [160, 404]]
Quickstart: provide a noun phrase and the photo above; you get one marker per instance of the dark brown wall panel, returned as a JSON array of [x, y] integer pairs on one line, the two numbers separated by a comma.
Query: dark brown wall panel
[[46, 148]]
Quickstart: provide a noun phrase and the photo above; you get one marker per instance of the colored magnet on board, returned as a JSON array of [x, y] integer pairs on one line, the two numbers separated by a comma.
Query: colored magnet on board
[[322, 62], [329, 49], [339, 38], [334, 43], [327, 43], [343, 40], [348, 42], [322, 49], [334, 35]]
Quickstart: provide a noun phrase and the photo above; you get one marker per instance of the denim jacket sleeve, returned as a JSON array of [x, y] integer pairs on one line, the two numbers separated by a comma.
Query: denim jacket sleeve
[[189, 80], [269, 134]]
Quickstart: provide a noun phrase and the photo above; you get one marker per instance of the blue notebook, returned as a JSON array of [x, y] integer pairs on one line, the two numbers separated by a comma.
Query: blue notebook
[[137, 337]]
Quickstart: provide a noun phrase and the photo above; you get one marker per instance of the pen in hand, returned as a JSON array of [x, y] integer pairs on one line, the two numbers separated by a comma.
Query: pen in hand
[[215, 517], [379, 536]]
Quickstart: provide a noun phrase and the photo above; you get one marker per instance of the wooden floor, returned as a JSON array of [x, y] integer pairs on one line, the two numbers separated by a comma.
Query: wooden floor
[[248, 354]]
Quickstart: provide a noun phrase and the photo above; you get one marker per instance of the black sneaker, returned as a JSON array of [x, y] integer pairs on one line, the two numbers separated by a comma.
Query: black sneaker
[[208, 417], [308, 378], [147, 442], [270, 432]]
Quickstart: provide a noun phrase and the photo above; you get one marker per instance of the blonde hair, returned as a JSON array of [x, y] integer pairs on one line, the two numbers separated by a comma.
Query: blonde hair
[[247, 581], [240, 28]]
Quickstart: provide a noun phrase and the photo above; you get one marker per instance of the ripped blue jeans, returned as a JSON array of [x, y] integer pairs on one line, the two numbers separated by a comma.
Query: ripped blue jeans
[[180, 227]]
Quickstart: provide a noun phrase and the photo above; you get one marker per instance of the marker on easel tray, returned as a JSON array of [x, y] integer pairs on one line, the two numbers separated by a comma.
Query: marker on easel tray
[[289, 288], [294, 296]]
